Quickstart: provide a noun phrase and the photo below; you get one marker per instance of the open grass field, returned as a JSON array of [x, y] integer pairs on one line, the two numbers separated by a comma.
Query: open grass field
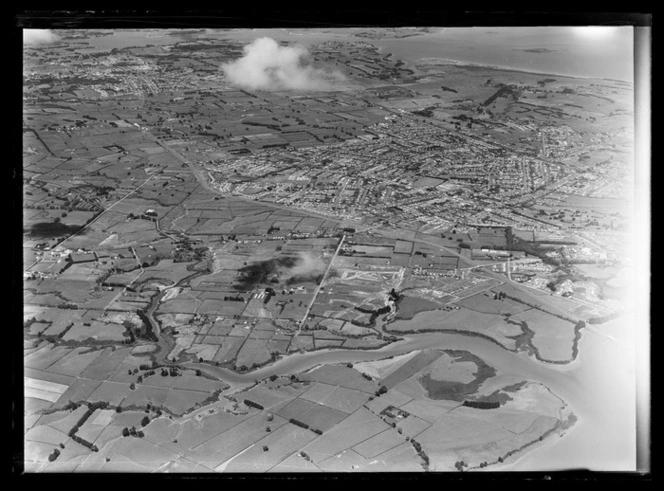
[[295, 408], [378, 444], [322, 417], [455, 430], [295, 463], [278, 345], [95, 424], [444, 428], [189, 381], [462, 320], [318, 392], [366, 342], [267, 397], [229, 443], [182, 304], [144, 394], [394, 397], [96, 330], [162, 431], [228, 350], [253, 351], [43, 389], [141, 452], [80, 389], [173, 320], [408, 306], [168, 270], [484, 303], [353, 330], [195, 434], [45, 356], [412, 425], [75, 362], [347, 461], [342, 376], [181, 401], [356, 428], [281, 443], [112, 392], [327, 343], [411, 367], [259, 334], [381, 368], [66, 420], [302, 342], [448, 368], [554, 337]]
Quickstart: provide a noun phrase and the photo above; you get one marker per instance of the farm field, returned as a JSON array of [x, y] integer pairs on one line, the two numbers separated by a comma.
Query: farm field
[[409, 306], [462, 321], [369, 261], [553, 338]]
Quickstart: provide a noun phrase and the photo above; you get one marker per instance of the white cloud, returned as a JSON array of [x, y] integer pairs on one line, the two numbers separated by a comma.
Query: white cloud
[[39, 36], [268, 66]]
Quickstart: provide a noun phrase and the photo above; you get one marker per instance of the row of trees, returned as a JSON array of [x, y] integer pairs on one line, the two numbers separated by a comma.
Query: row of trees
[[253, 404], [539, 307], [482, 404], [418, 448], [305, 426]]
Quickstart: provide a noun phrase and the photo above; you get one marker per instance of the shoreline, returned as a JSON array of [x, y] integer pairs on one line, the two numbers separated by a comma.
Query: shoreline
[[470, 64], [530, 348], [567, 419]]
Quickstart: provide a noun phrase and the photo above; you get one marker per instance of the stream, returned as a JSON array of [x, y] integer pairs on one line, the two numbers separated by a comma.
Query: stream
[[598, 386]]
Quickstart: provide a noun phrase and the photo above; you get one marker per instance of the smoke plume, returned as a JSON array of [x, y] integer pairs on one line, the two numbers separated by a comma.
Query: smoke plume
[[307, 263], [268, 66], [32, 37], [305, 267]]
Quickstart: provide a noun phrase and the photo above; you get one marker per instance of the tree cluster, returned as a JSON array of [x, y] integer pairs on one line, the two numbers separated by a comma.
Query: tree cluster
[[381, 390], [172, 371], [132, 432]]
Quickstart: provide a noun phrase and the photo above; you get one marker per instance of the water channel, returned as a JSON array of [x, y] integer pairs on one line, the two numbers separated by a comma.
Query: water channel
[[599, 386]]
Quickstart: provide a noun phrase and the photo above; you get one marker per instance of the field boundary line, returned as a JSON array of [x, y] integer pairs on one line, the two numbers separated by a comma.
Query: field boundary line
[[109, 208]]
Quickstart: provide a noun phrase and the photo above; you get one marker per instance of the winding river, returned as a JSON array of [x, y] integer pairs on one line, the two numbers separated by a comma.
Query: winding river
[[598, 386]]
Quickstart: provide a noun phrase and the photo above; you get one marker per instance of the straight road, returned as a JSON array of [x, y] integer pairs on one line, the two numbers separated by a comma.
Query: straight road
[[320, 285], [200, 177], [98, 216]]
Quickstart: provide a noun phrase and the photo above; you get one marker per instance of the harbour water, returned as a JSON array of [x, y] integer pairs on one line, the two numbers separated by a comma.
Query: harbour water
[[572, 51], [554, 50], [599, 387]]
